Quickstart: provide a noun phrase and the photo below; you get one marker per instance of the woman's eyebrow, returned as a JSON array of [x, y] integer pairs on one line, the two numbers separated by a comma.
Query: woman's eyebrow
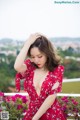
[[37, 55]]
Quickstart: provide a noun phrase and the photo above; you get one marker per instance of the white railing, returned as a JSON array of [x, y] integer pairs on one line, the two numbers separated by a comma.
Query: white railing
[[59, 94], [72, 80], [11, 94], [68, 94]]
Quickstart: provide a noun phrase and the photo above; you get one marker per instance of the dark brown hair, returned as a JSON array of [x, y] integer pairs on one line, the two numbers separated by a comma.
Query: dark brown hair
[[45, 46]]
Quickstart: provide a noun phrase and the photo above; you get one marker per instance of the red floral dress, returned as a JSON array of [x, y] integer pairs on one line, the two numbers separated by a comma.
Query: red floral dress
[[54, 112]]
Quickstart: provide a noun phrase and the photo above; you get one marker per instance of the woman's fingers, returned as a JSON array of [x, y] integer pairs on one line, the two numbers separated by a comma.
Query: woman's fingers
[[33, 37]]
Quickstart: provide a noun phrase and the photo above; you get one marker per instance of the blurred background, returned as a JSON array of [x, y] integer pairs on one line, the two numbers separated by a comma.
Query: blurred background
[[59, 22]]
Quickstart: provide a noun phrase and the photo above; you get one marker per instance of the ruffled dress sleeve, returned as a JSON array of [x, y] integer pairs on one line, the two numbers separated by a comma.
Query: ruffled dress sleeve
[[19, 76], [57, 76]]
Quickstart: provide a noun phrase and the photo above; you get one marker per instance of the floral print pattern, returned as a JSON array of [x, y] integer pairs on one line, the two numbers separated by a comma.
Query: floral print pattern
[[54, 112]]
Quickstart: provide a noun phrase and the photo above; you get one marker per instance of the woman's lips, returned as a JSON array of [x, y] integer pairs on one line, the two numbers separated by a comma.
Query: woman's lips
[[38, 64]]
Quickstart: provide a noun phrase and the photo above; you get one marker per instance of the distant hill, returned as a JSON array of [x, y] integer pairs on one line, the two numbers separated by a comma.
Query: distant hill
[[6, 40], [56, 40], [65, 42], [65, 39]]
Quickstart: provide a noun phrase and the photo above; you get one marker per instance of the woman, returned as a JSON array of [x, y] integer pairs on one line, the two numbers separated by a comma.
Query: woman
[[43, 78]]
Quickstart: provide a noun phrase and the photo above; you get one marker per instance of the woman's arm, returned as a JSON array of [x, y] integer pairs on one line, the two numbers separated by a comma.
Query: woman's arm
[[45, 106], [19, 66]]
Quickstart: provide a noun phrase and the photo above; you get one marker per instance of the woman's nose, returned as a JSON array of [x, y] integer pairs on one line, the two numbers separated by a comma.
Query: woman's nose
[[36, 60]]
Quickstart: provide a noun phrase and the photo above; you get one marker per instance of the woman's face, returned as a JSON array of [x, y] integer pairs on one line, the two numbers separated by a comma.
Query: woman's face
[[38, 57]]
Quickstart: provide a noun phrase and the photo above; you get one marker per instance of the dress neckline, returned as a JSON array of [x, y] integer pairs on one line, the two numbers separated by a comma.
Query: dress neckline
[[41, 84]]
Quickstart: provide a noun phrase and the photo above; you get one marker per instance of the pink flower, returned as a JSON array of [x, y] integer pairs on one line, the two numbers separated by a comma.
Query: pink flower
[[13, 98], [64, 108], [75, 110], [65, 99], [24, 99], [19, 107], [74, 102], [8, 99], [1, 94], [18, 96]]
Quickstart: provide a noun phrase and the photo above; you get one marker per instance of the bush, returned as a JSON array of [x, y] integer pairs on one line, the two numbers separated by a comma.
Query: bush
[[70, 106], [16, 106]]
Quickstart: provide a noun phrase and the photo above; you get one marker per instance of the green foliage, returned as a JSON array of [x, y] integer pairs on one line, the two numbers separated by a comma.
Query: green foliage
[[16, 105], [7, 73], [72, 74], [7, 68], [72, 68], [70, 106], [69, 52]]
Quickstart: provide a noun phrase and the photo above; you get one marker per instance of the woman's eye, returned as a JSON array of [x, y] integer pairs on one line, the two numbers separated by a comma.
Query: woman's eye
[[40, 57], [32, 57]]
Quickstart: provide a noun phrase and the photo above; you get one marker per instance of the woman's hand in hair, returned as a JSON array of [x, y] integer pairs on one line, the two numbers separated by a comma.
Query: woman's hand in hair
[[32, 38]]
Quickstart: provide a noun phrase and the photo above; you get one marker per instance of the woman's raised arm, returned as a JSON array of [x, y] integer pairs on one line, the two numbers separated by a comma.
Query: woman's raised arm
[[19, 62]]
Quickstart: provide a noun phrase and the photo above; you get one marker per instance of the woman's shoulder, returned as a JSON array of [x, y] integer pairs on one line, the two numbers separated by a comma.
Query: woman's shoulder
[[59, 68], [27, 61], [29, 64]]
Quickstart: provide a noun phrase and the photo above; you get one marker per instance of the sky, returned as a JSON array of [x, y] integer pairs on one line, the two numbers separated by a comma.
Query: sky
[[20, 18]]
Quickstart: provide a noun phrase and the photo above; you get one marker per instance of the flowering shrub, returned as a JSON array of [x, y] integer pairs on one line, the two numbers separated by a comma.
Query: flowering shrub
[[16, 106], [70, 106]]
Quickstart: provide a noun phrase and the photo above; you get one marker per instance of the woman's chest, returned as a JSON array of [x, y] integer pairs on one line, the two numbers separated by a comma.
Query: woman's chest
[[39, 83], [39, 78]]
